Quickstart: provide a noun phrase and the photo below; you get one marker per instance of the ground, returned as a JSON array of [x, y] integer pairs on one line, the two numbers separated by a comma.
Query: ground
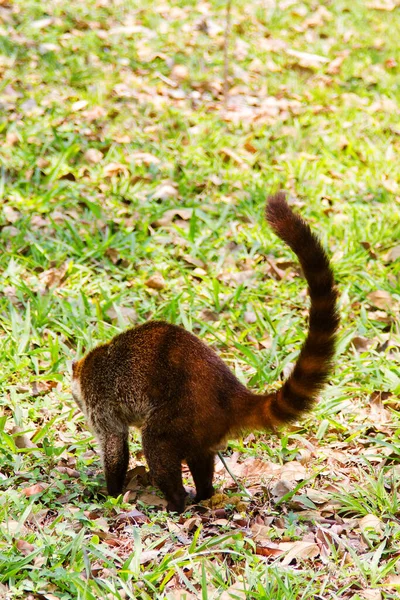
[[133, 188]]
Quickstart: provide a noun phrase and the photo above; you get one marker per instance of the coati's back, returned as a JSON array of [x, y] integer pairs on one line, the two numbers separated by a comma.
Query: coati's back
[[159, 369], [186, 401]]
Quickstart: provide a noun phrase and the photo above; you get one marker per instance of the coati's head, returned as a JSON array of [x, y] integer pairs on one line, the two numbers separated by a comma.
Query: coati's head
[[76, 384]]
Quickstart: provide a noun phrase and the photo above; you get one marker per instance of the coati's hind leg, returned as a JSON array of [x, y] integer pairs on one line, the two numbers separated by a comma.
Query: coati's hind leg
[[202, 469], [115, 457], [164, 462]]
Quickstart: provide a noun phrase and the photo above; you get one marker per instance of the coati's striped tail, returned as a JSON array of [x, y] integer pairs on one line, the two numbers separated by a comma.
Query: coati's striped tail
[[314, 363]]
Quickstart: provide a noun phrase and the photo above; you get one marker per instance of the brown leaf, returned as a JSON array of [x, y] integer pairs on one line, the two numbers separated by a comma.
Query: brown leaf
[[132, 516], [336, 64], [371, 523], [144, 158], [115, 168], [38, 488], [54, 276], [270, 549], [393, 254], [94, 113], [229, 154], [386, 5], [22, 440], [11, 214], [307, 60], [297, 550], [156, 282], [165, 191], [179, 73], [126, 312], [381, 299], [361, 344], [169, 215], [378, 411], [72, 473], [24, 547], [93, 156], [79, 105], [152, 500]]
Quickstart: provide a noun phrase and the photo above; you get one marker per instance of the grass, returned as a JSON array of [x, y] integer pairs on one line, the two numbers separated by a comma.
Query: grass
[[80, 238]]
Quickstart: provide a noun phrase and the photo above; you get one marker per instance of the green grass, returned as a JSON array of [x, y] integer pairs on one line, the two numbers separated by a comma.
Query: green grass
[[79, 243]]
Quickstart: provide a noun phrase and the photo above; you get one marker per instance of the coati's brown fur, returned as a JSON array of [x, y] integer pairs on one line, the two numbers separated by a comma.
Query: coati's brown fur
[[187, 403]]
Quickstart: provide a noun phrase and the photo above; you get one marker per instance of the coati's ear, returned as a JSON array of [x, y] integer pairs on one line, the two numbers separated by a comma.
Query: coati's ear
[[74, 365]]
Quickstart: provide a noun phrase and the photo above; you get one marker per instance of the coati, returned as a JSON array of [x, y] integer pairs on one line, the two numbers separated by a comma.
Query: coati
[[187, 403]]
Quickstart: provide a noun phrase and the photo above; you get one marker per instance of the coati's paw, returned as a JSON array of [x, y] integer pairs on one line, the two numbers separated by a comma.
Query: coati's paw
[[177, 507]]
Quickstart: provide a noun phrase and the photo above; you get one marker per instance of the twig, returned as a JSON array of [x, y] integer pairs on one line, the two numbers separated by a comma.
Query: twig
[[226, 50], [239, 485]]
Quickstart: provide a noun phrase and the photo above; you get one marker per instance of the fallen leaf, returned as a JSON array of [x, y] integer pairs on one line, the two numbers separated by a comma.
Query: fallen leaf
[[126, 312], [94, 113], [386, 5], [156, 282], [38, 488], [371, 523], [393, 254], [296, 550], [308, 60], [179, 72], [371, 594], [21, 439], [144, 158], [132, 516], [169, 215], [361, 344], [381, 299], [281, 488], [115, 168], [79, 105], [11, 214], [24, 547], [152, 500], [165, 191], [148, 555], [53, 277], [93, 156]]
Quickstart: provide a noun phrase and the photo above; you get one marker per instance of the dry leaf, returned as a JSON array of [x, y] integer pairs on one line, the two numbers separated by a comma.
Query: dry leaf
[[152, 500], [361, 344], [169, 215], [371, 594], [179, 72], [297, 550], [94, 113], [293, 471], [156, 282], [22, 440], [165, 191], [11, 214], [53, 277], [127, 313], [144, 158], [115, 168], [24, 547], [229, 154], [380, 299], [387, 5], [308, 60], [93, 156], [132, 516], [38, 488], [393, 254], [79, 105], [373, 524]]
